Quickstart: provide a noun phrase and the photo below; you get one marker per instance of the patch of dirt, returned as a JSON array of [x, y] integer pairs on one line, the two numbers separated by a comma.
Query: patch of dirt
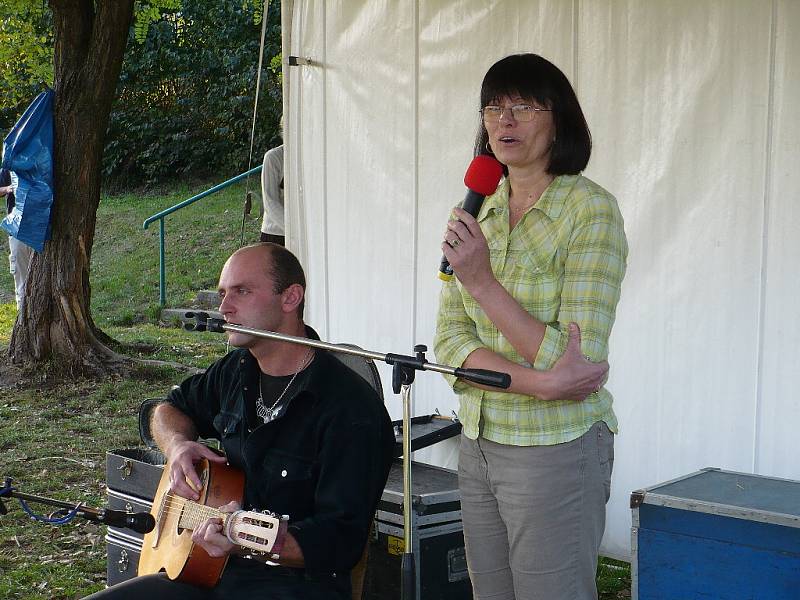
[[11, 376]]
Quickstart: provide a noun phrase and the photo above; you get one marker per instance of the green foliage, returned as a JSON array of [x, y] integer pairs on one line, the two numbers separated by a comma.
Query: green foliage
[[258, 9], [276, 66], [26, 50], [26, 56], [185, 96], [150, 12]]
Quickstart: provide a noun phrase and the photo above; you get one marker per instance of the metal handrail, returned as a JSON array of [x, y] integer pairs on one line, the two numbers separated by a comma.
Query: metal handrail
[[162, 275]]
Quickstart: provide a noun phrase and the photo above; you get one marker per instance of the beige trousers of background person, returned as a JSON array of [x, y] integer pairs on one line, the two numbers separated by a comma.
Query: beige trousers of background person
[[19, 262]]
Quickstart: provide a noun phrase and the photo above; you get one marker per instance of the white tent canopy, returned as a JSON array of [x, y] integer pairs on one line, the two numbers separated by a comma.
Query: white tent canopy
[[694, 108]]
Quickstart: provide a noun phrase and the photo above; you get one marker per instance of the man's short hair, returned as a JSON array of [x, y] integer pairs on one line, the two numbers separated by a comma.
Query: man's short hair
[[284, 270]]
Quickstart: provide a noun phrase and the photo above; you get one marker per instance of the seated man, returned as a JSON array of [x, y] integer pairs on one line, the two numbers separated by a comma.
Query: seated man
[[312, 437]]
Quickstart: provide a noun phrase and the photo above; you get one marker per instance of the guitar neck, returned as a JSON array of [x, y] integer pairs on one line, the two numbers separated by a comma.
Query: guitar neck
[[194, 514], [256, 531]]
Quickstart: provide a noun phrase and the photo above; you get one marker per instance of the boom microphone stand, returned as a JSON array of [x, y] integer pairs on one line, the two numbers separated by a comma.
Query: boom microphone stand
[[141, 522], [403, 371]]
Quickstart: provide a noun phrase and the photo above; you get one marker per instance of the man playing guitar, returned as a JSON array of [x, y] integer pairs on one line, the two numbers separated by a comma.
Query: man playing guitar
[[312, 438]]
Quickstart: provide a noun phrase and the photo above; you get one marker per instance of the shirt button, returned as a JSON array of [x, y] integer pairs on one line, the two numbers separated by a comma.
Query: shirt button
[[284, 473], [241, 361], [245, 388]]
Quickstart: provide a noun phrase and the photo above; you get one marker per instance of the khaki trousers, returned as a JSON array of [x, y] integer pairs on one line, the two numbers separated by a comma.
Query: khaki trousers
[[19, 262], [534, 516]]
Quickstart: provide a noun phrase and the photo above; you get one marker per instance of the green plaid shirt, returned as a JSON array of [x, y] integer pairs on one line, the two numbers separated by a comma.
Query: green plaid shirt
[[564, 261]]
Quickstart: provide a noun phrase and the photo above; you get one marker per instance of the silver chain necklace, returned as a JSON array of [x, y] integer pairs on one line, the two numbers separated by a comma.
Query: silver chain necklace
[[266, 413]]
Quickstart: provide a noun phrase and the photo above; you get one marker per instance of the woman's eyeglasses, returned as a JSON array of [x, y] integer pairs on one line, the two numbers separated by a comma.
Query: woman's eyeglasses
[[520, 112]]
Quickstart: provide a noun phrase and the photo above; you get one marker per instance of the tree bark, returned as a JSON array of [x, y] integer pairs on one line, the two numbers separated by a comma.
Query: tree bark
[[55, 324]]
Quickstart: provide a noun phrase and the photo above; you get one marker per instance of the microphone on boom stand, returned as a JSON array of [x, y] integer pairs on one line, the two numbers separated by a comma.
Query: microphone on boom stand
[[140, 522], [204, 322]]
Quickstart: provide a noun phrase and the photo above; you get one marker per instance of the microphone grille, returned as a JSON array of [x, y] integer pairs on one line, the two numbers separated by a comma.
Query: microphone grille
[[483, 174]]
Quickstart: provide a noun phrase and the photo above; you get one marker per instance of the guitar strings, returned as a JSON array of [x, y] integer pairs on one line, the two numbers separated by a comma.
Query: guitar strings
[[173, 502], [192, 514]]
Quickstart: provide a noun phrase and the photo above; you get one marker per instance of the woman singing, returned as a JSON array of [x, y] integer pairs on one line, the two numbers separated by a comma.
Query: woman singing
[[546, 251]]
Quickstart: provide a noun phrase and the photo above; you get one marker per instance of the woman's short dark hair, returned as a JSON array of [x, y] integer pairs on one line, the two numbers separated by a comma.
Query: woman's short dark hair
[[535, 78]]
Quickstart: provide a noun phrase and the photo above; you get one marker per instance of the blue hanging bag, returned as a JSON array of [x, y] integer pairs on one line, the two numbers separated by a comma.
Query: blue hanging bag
[[28, 151]]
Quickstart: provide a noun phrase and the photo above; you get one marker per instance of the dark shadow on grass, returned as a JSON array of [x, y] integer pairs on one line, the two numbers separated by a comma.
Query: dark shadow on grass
[[49, 375]]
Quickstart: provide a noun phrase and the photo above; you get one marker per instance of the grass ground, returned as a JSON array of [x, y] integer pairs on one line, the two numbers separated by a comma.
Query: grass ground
[[54, 434]]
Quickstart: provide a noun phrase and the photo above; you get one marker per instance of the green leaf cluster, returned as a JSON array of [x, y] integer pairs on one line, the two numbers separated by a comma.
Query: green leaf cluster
[[150, 12], [186, 94], [26, 56]]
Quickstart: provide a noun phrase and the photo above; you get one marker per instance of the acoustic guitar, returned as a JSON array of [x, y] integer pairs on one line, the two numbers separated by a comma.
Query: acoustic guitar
[[169, 547]]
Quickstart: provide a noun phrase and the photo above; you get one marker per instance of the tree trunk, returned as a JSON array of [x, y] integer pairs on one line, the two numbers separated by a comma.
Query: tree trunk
[[55, 324]]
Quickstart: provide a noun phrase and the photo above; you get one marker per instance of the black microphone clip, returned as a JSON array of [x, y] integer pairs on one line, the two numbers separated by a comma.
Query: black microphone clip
[[203, 322], [140, 522]]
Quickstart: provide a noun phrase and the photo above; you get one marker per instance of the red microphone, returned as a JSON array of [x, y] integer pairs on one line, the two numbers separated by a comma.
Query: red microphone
[[482, 177]]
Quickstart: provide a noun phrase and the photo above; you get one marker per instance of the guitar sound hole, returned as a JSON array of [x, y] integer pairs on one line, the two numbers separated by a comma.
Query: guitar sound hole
[[178, 529]]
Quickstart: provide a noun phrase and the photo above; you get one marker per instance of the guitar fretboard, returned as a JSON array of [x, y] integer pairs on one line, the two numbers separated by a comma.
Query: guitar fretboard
[[194, 514], [249, 529]]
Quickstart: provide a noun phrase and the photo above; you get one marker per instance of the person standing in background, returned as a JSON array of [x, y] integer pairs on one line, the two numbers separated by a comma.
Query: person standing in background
[[272, 225], [542, 262], [20, 254]]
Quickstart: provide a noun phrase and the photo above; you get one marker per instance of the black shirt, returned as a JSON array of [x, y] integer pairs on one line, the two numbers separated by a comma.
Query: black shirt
[[323, 461]]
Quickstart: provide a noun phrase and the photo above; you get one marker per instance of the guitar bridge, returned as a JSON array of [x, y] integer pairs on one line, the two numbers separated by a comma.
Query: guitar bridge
[[159, 518]]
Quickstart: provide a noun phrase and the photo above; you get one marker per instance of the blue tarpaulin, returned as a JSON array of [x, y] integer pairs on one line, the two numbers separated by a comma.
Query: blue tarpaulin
[[28, 151]]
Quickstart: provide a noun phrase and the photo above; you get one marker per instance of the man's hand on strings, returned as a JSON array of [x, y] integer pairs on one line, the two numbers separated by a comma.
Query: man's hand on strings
[[184, 479]]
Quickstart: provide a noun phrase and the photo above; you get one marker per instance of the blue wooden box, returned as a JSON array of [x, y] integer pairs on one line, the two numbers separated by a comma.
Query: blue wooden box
[[716, 535]]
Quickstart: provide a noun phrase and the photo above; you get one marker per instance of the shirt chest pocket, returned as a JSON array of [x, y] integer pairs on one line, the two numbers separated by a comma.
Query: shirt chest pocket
[[535, 264], [228, 424], [288, 468], [287, 474], [531, 250], [535, 277]]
